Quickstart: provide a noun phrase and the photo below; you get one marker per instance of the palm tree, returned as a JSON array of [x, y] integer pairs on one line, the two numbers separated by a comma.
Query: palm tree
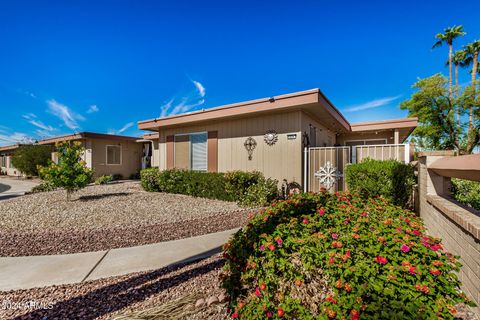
[[450, 34], [459, 60], [472, 50]]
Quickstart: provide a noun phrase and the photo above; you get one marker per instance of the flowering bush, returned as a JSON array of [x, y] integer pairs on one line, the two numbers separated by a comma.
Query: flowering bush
[[339, 256]]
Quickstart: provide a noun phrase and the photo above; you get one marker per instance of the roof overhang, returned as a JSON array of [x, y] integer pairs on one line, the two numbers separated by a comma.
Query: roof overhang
[[313, 101], [84, 135], [9, 148], [404, 127]]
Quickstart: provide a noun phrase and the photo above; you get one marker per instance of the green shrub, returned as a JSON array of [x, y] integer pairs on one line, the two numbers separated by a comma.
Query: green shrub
[[466, 192], [339, 256], [117, 176], [391, 179], [43, 187], [247, 188], [104, 179]]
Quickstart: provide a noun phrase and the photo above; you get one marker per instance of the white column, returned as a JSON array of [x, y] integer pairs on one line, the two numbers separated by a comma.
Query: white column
[[305, 169], [396, 136]]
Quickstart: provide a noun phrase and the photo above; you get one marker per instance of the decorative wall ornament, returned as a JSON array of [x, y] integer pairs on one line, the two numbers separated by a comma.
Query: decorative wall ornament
[[271, 137], [328, 175], [250, 145]]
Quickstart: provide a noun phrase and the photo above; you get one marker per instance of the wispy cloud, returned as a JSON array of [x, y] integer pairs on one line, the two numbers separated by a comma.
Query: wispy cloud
[[32, 119], [376, 103], [28, 93], [182, 103], [122, 129], [64, 113], [93, 108], [16, 137]]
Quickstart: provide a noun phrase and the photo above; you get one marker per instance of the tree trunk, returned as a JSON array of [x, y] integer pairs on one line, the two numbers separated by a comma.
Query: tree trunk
[[471, 124], [450, 55], [457, 89]]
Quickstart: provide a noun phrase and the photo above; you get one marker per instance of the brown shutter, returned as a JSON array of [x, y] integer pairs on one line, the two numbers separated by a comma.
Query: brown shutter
[[170, 150], [212, 162]]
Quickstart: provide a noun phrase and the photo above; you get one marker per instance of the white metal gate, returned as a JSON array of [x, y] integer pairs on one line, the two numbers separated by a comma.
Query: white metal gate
[[324, 168]]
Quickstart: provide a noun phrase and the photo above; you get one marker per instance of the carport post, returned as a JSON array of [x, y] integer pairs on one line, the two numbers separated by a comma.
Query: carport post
[[305, 155]]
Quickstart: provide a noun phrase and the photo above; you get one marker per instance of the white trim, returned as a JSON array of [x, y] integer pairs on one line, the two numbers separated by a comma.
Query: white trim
[[106, 155]]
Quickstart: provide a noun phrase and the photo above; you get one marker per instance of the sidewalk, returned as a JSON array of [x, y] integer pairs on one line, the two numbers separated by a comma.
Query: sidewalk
[[17, 187], [39, 271]]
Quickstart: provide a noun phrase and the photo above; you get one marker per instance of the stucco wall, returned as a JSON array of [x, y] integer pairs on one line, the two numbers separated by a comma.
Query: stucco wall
[[281, 161], [10, 171], [131, 153]]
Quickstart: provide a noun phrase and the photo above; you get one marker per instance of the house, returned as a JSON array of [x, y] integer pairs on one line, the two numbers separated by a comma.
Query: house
[[106, 154], [288, 137], [6, 165]]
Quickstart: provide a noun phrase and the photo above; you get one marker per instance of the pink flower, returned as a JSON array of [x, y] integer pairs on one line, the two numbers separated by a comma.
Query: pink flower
[[381, 260], [416, 232], [436, 247], [269, 314], [257, 292], [305, 221], [412, 270], [405, 248], [262, 248], [279, 241], [335, 236], [235, 315], [321, 211]]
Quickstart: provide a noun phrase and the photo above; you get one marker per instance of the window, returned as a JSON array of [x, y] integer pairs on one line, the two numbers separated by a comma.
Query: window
[[190, 151], [3, 161], [114, 155]]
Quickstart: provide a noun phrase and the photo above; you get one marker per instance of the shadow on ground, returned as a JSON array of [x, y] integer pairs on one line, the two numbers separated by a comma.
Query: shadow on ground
[[114, 297], [102, 196]]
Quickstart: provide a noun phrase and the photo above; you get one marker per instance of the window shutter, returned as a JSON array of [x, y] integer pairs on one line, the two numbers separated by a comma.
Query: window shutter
[[170, 142], [212, 151]]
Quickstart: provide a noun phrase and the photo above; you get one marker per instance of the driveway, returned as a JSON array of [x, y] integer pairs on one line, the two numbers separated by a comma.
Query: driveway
[[14, 187]]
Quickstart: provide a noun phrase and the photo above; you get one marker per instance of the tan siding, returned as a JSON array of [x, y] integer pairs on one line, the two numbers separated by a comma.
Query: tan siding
[[280, 161], [324, 137], [131, 157]]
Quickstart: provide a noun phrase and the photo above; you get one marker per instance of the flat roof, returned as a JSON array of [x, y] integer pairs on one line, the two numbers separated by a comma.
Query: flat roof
[[83, 135], [10, 147], [312, 99], [385, 124]]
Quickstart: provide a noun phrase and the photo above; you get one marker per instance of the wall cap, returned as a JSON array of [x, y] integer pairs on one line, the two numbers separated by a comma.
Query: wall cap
[[467, 218], [445, 153]]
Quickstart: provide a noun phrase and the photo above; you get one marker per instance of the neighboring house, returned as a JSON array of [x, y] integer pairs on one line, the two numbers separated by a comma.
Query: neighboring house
[[270, 135], [104, 153], [6, 165]]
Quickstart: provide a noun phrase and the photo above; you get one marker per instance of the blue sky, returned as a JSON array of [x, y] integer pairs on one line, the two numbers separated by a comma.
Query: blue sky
[[101, 66]]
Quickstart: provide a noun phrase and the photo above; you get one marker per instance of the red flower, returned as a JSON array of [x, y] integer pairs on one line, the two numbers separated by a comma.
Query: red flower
[[331, 260], [280, 312], [269, 314], [354, 315], [412, 270], [235, 315], [416, 232], [436, 247], [263, 286], [405, 248], [271, 247], [435, 272], [305, 221], [381, 260], [257, 292], [321, 211]]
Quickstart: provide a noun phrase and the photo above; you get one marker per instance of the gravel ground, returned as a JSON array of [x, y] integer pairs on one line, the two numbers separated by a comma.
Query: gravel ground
[[137, 292], [107, 298], [108, 216]]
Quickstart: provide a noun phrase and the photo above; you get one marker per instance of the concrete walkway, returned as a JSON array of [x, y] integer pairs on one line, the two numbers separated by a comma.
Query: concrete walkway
[[15, 187], [39, 271]]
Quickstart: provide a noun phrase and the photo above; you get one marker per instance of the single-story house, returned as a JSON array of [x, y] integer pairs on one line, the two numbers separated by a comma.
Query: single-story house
[[270, 135], [106, 154], [6, 165]]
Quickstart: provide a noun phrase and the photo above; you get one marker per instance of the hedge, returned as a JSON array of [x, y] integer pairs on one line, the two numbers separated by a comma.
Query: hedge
[[339, 256], [391, 179], [466, 192], [246, 188]]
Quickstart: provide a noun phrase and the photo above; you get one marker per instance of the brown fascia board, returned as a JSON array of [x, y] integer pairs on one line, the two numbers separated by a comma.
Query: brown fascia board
[[292, 101], [151, 136], [10, 147], [385, 125], [84, 135]]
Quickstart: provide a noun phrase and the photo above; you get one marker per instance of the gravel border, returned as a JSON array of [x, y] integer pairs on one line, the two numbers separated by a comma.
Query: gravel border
[[75, 241], [105, 298]]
